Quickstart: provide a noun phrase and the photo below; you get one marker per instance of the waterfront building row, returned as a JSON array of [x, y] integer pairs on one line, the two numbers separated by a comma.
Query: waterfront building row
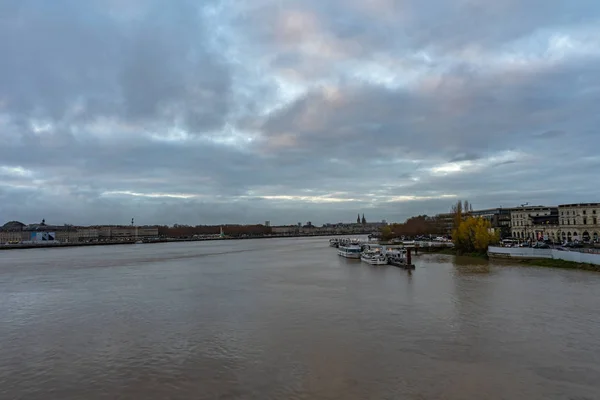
[[563, 223], [17, 232], [341, 228]]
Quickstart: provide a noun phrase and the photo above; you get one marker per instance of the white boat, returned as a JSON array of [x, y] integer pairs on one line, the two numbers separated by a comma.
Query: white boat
[[334, 242], [349, 251], [374, 257], [373, 247]]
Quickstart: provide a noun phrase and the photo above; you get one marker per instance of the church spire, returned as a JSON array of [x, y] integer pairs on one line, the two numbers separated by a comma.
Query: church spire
[[358, 219], [364, 221]]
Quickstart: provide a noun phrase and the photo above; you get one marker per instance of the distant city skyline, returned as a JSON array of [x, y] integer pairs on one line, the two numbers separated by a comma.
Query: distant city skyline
[[360, 218], [211, 113]]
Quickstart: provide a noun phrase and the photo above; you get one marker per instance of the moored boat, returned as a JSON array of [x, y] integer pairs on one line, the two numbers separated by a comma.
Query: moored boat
[[346, 242], [400, 258], [334, 242], [374, 257], [349, 251], [355, 242]]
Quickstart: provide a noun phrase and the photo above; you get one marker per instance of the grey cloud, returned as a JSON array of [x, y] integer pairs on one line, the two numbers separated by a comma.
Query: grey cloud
[[70, 55], [465, 157], [362, 30], [551, 134], [110, 78], [462, 114], [504, 163]]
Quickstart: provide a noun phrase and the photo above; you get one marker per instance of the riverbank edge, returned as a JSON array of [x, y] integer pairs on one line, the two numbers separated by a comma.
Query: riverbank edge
[[545, 262], [533, 262], [170, 240], [554, 263], [451, 251]]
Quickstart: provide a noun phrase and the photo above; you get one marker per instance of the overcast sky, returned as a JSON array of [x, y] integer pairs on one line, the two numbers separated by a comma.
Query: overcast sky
[[241, 111]]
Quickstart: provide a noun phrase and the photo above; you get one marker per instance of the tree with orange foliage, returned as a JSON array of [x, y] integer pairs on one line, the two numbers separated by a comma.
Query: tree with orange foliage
[[414, 226]]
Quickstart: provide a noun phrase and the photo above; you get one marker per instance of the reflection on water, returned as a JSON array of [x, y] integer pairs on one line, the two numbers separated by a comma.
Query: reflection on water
[[471, 265], [289, 319]]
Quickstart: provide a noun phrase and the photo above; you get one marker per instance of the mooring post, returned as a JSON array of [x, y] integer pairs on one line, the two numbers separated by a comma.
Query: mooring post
[[408, 257]]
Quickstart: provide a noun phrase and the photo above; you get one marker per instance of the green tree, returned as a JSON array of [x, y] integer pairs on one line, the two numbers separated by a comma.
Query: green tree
[[386, 232]]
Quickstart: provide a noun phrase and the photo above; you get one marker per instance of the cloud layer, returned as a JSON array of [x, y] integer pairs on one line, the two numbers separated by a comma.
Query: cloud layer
[[222, 111]]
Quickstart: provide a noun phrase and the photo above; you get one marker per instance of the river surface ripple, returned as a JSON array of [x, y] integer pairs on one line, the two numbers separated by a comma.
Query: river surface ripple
[[289, 319]]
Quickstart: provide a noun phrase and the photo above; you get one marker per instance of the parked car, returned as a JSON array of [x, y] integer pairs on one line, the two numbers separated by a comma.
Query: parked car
[[573, 245]]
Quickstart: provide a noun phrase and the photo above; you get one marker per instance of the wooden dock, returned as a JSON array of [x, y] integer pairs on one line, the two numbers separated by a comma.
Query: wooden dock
[[403, 265]]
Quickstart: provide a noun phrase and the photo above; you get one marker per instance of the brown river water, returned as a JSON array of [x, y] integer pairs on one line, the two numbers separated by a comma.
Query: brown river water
[[289, 319]]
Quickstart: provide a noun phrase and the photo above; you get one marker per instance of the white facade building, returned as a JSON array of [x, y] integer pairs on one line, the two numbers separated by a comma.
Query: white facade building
[[579, 222], [534, 222]]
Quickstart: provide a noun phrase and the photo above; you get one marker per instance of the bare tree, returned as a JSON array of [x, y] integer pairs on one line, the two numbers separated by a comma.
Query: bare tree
[[457, 211]]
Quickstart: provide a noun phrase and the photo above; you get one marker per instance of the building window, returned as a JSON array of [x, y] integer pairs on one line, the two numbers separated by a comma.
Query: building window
[[594, 212], [595, 221], [584, 220]]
